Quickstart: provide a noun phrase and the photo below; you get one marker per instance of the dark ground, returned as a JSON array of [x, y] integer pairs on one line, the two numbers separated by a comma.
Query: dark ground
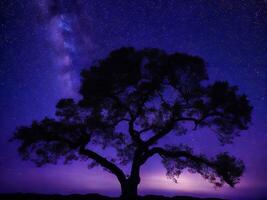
[[19, 196]]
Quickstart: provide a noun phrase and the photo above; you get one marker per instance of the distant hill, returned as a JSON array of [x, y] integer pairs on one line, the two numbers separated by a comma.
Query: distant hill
[[21, 196]]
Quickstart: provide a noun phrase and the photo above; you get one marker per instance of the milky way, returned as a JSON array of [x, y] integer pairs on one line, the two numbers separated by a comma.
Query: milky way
[[69, 39]]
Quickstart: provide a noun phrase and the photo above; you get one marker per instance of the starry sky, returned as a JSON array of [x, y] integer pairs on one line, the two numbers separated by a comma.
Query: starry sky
[[45, 43]]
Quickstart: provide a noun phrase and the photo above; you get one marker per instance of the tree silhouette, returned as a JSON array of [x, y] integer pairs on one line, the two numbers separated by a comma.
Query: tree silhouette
[[129, 102]]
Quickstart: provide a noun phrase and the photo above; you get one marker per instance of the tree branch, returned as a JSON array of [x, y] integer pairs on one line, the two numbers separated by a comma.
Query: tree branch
[[227, 168], [144, 130], [133, 133], [169, 126], [178, 154], [104, 163], [166, 129]]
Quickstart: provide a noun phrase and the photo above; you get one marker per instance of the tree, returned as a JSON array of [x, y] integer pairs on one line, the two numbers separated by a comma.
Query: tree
[[129, 102]]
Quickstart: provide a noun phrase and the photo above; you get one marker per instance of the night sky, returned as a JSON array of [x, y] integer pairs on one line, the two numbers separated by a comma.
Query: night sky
[[44, 44]]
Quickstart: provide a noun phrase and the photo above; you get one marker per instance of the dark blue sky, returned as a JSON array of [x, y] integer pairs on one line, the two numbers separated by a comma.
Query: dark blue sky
[[42, 51]]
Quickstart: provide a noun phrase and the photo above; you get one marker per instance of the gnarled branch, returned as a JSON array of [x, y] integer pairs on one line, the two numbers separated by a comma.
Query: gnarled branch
[[104, 163], [225, 167]]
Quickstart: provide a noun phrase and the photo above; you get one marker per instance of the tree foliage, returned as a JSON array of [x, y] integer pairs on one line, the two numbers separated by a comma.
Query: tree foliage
[[130, 101]]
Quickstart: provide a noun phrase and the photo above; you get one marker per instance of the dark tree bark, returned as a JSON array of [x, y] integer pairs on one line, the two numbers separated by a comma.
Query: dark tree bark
[[129, 189]]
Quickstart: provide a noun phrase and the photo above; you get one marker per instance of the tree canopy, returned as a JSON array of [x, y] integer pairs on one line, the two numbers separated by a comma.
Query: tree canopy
[[130, 101]]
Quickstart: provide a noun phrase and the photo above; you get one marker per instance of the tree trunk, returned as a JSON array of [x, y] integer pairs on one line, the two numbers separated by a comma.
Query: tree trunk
[[129, 186], [129, 189]]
